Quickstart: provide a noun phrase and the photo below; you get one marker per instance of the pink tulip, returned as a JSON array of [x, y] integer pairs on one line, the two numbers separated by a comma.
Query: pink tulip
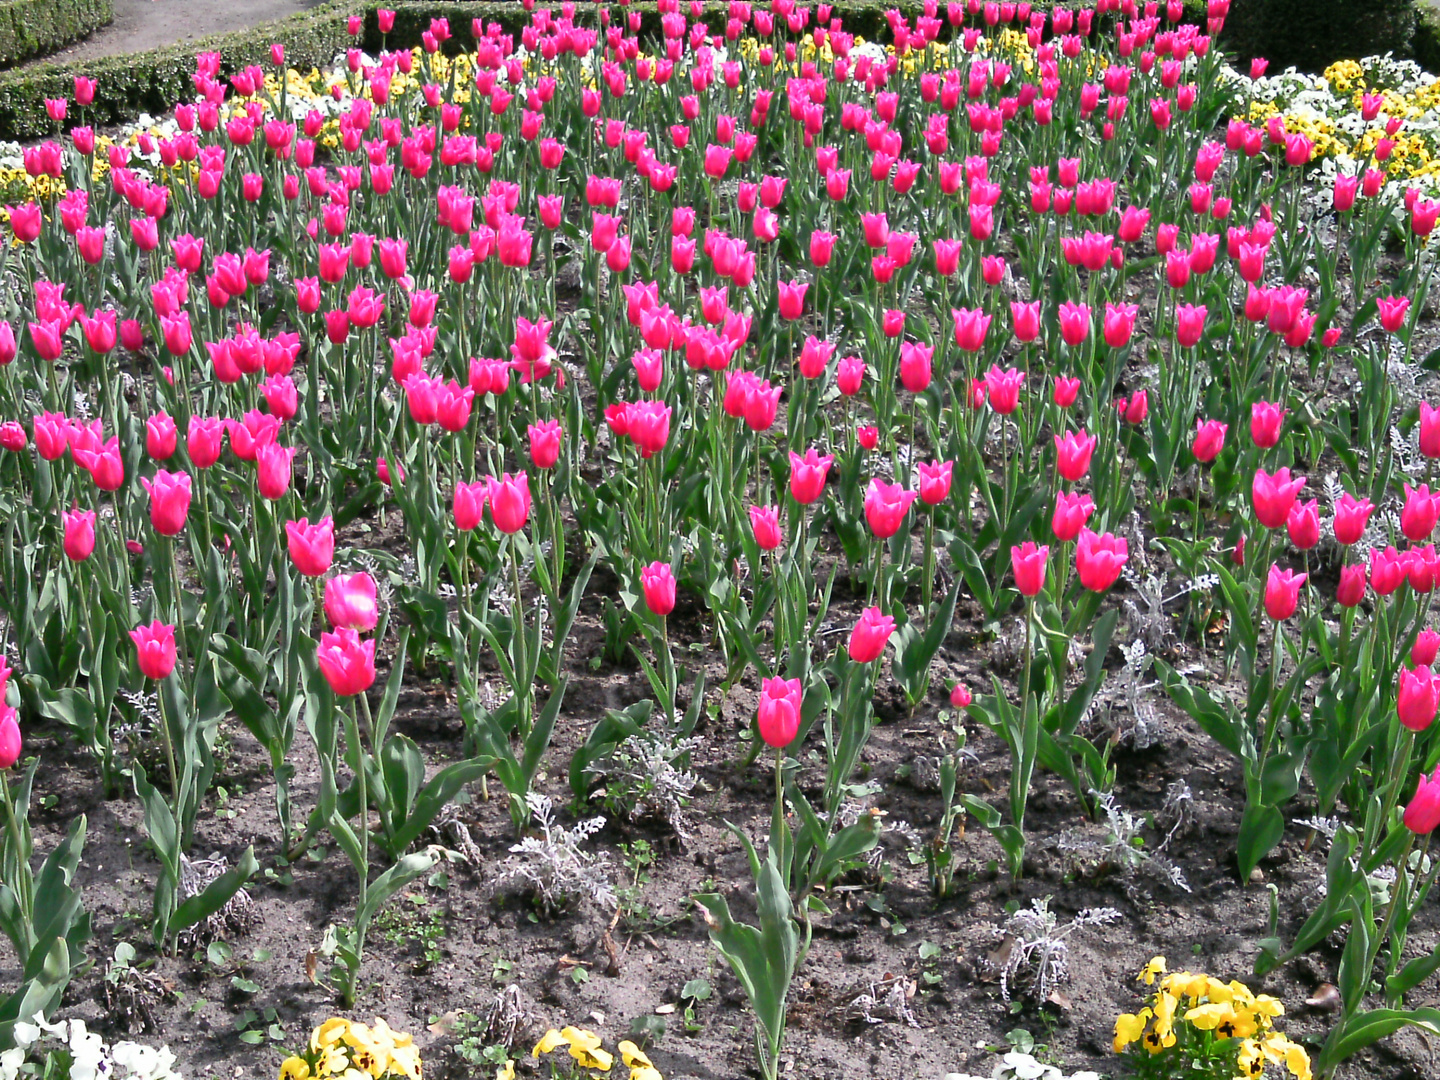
[[1303, 524], [869, 635], [346, 662], [272, 470], [1429, 431], [1099, 559], [350, 601], [155, 649], [807, 475], [1266, 419], [765, 523], [934, 485], [1351, 517], [509, 499], [311, 547], [1282, 593], [79, 540], [469, 504], [1388, 570], [1273, 496], [657, 581], [160, 437], [545, 443], [1028, 563], [1417, 697], [1072, 511], [1209, 440], [886, 506], [169, 501], [1417, 518], [1422, 814], [1351, 588], [1072, 454], [779, 712], [1003, 388]]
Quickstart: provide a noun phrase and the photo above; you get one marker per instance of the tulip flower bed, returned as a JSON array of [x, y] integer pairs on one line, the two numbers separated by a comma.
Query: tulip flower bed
[[747, 549]]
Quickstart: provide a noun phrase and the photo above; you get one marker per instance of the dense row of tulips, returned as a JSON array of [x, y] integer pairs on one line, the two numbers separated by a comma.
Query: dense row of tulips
[[780, 327]]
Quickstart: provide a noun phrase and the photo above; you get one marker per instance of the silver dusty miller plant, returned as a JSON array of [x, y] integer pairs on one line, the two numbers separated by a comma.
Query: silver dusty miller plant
[[1125, 704], [1038, 959], [235, 917], [552, 866], [1123, 844], [646, 777]]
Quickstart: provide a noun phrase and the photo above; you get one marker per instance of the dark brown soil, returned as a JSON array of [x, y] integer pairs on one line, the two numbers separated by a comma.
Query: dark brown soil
[[874, 932]]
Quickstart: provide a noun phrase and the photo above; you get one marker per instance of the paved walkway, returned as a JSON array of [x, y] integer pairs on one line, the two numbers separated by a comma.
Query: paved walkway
[[147, 24]]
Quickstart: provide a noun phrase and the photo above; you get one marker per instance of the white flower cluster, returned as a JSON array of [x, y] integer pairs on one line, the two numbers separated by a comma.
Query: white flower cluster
[[1018, 1066], [90, 1057]]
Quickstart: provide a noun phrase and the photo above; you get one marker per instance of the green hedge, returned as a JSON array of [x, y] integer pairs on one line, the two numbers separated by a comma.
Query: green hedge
[[1427, 34], [154, 81], [1313, 34], [31, 28]]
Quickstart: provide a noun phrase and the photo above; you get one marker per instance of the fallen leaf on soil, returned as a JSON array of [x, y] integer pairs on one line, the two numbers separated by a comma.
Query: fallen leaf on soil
[[1059, 1000], [1326, 997], [312, 961], [664, 1010], [996, 960], [445, 1024]]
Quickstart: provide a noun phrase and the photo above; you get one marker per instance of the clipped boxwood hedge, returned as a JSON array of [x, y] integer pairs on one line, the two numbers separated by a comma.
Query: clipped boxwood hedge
[[154, 81], [1427, 35], [1313, 34], [31, 28]]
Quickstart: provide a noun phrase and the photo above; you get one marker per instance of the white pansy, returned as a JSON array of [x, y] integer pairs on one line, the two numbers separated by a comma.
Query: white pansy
[[25, 1035]]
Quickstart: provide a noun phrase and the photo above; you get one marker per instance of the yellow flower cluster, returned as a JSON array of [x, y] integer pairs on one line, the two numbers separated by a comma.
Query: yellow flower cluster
[[1191, 1009], [585, 1048], [350, 1051], [1328, 112]]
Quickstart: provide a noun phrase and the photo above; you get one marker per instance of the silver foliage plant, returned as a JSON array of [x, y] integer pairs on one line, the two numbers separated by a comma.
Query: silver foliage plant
[[552, 866], [645, 778], [1122, 844], [1038, 959]]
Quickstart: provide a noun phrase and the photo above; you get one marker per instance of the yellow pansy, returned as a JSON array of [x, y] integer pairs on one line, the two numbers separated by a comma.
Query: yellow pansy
[[384, 1036], [1297, 1061], [548, 1042], [1155, 1041], [1251, 1061], [329, 1033], [1265, 1005], [295, 1068], [645, 1072], [632, 1055], [1218, 991], [1210, 1016], [1150, 971], [1185, 984], [1165, 1006], [506, 1071], [405, 1060], [585, 1048], [1129, 1027]]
